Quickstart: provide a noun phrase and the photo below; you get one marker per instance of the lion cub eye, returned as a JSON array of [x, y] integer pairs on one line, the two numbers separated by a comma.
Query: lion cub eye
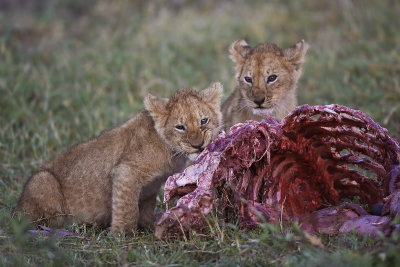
[[248, 79], [180, 128], [271, 78], [204, 121]]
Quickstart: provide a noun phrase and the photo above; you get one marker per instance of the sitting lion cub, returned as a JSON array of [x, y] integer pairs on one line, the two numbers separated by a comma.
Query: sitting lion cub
[[266, 81], [114, 178]]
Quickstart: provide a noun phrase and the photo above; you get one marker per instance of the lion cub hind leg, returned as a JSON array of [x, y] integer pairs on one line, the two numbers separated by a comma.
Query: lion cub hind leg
[[42, 200], [125, 199]]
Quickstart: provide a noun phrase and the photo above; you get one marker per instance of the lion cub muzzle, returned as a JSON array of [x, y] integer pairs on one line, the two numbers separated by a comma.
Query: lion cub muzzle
[[199, 147], [196, 140], [259, 101]]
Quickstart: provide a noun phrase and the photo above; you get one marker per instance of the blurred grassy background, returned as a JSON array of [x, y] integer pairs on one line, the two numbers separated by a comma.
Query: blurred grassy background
[[70, 69]]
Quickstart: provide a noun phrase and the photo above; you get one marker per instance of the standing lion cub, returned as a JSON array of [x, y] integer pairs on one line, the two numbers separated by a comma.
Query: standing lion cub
[[266, 81], [113, 179]]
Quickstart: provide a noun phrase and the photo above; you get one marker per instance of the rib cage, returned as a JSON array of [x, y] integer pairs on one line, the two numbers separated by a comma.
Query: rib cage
[[315, 157]]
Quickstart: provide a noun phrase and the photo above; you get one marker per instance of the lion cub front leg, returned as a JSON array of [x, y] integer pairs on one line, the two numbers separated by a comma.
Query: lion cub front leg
[[125, 199], [146, 206]]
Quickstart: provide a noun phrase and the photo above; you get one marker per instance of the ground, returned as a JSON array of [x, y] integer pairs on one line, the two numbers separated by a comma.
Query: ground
[[70, 69]]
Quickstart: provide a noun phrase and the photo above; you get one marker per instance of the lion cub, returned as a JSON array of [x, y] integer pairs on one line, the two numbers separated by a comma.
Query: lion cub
[[266, 81], [113, 179]]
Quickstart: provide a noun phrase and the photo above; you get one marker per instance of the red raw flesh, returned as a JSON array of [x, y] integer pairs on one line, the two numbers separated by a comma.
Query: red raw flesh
[[316, 157]]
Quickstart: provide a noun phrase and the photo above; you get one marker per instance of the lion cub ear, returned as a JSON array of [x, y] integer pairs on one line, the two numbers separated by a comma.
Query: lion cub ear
[[157, 106], [212, 94], [296, 54], [239, 50]]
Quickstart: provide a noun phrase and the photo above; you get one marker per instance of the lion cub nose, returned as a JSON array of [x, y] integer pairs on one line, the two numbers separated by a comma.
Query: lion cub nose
[[199, 146], [259, 101]]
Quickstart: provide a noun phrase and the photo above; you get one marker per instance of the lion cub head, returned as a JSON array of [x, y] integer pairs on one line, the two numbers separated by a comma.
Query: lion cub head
[[189, 120], [266, 74]]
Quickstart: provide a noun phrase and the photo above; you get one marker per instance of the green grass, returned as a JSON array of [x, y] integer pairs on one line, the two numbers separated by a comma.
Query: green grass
[[70, 69]]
